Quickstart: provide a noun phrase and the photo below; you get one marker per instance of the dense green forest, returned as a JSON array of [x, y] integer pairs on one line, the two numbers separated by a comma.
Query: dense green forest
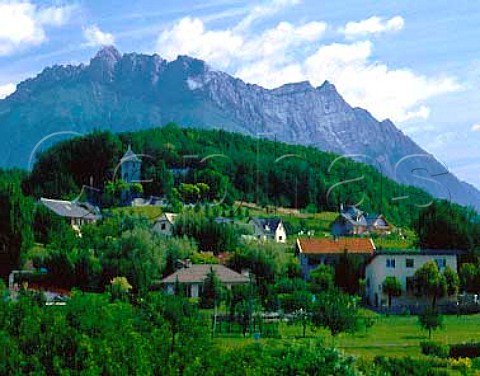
[[235, 166]]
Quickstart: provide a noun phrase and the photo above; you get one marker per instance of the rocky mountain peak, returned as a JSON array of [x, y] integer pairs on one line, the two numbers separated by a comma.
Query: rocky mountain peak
[[108, 54], [102, 66], [296, 87]]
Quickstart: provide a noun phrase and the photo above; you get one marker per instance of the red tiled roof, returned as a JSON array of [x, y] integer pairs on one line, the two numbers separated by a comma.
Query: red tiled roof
[[330, 246]]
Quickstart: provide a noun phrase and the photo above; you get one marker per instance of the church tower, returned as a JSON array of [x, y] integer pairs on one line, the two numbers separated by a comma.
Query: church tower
[[131, 167]]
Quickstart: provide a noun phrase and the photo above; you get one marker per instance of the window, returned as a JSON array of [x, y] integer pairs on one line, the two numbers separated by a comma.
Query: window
[[163, 226], [441, 263], [280, 238], [390, 263], [409, 263]]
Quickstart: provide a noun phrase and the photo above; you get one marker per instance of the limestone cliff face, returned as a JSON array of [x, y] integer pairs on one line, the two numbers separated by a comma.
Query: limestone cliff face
[[134, 91]]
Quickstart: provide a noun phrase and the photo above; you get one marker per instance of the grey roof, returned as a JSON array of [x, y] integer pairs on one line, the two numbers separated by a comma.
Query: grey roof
[[268, 225], [130, 156], [72, 209], [354, 215], [372, 218], [197, 273]]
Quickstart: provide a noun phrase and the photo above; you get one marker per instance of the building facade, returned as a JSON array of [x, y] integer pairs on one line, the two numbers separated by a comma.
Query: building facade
[[402, 265]]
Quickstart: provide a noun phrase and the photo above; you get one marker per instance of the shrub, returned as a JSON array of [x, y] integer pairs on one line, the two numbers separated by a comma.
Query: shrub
[[435, 349], [461, 364], [410, 366], [465, 350]]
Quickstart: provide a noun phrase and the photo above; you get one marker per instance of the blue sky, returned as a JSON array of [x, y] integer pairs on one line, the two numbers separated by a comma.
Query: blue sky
[[415, 62]]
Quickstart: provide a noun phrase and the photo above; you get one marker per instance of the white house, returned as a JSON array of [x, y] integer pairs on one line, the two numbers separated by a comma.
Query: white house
[[193, 276], [269, 229], [165, 224], [401, 264]]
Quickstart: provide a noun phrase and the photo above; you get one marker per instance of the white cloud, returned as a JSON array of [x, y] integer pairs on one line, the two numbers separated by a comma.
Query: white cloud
[[373, 25], [223, 48], [475, 127], [23, 24], [96, 37], [289, 53], [189, 37], [6, 90], [397, 94]]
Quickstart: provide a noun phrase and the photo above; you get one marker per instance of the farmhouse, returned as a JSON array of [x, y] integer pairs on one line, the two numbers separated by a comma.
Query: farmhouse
[[269, 229], [76, 213], [402, 264], [353, 221], [193, 276], [165, 224], [314, 252]]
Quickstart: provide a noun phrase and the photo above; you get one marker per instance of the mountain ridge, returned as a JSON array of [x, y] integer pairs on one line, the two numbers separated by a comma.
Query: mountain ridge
[[128, 92]]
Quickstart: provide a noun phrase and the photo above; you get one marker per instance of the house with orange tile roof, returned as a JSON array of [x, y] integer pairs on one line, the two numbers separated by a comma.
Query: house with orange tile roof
[[314, 252]]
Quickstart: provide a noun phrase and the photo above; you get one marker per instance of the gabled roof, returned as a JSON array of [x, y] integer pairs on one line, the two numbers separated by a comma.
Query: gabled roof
[[267, 225], [337, 246], [372, 218], [197, 273], [72, 209], [130, 156], [353, 215], [169, 217]]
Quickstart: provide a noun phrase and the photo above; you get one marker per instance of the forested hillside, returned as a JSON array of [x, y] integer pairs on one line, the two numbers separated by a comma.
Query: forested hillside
[[235, 166]]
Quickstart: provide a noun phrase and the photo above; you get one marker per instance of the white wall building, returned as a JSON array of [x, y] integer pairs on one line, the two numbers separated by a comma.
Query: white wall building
[[164, 225], [402, 265]]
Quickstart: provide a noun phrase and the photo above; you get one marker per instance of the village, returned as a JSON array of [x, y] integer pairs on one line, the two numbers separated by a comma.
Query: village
[[182, 257], [384, 276]]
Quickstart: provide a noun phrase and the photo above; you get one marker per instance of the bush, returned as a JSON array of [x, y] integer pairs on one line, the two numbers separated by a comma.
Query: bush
[[410, 366], [435, 349], [465, 350]]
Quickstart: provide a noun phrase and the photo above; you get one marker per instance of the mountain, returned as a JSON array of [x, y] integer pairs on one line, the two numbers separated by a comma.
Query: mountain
[[132, 91]]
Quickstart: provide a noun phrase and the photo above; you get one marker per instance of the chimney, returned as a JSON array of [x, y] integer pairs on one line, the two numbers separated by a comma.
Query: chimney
[[188, 263]]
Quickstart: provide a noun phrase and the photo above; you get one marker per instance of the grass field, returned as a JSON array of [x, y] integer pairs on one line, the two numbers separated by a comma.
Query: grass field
[[149, 212], [390, 336]]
